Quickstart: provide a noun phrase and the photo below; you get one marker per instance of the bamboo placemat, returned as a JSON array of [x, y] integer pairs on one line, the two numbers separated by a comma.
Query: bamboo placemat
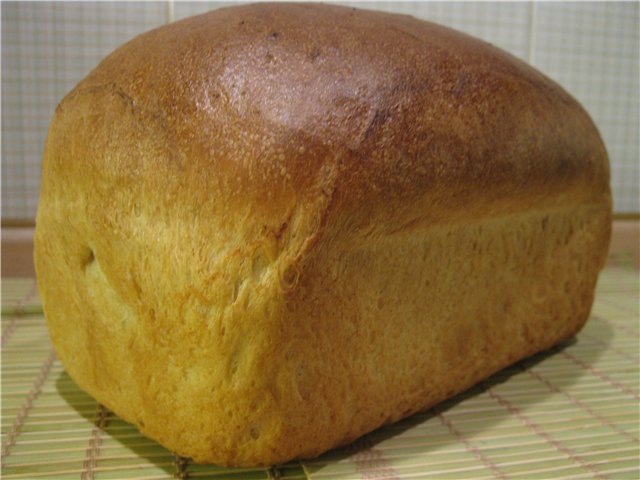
[[568, 413]]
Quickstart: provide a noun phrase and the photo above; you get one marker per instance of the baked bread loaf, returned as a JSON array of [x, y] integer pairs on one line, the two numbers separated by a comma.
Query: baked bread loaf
[[267, 230]]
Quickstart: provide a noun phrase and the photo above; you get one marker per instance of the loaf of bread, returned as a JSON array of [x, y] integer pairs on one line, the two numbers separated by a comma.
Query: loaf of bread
[[270, 229]]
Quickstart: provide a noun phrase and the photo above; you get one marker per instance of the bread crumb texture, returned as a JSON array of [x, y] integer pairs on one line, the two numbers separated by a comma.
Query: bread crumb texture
[[267, 230]]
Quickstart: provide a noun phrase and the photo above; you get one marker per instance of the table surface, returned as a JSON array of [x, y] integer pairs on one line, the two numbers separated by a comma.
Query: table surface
[[572, 412]]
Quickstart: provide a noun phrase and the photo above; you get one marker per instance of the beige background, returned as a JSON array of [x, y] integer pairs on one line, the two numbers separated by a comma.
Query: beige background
[[47, 47]]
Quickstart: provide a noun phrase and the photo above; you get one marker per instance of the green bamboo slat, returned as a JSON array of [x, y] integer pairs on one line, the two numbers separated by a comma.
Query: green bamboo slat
[[23, 309]]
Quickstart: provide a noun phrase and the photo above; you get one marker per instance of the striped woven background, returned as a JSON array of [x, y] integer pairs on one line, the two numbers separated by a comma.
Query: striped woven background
[[568, 413]]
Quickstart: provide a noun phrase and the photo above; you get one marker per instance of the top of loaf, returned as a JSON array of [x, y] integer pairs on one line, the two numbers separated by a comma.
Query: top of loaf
[[374, 120]]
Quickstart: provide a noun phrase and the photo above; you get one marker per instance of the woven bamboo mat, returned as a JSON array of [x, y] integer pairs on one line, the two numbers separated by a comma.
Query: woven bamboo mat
[[568, 413]]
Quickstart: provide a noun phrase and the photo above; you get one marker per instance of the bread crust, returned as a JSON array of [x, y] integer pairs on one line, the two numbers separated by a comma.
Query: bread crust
[[267, 230]]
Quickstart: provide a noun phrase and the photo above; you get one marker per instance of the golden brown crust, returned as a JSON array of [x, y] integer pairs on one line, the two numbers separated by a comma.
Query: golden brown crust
[[256, 220], [278, 79]]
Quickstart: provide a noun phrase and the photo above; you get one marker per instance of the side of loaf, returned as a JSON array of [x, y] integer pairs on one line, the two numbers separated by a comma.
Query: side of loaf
[[270, 229]]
